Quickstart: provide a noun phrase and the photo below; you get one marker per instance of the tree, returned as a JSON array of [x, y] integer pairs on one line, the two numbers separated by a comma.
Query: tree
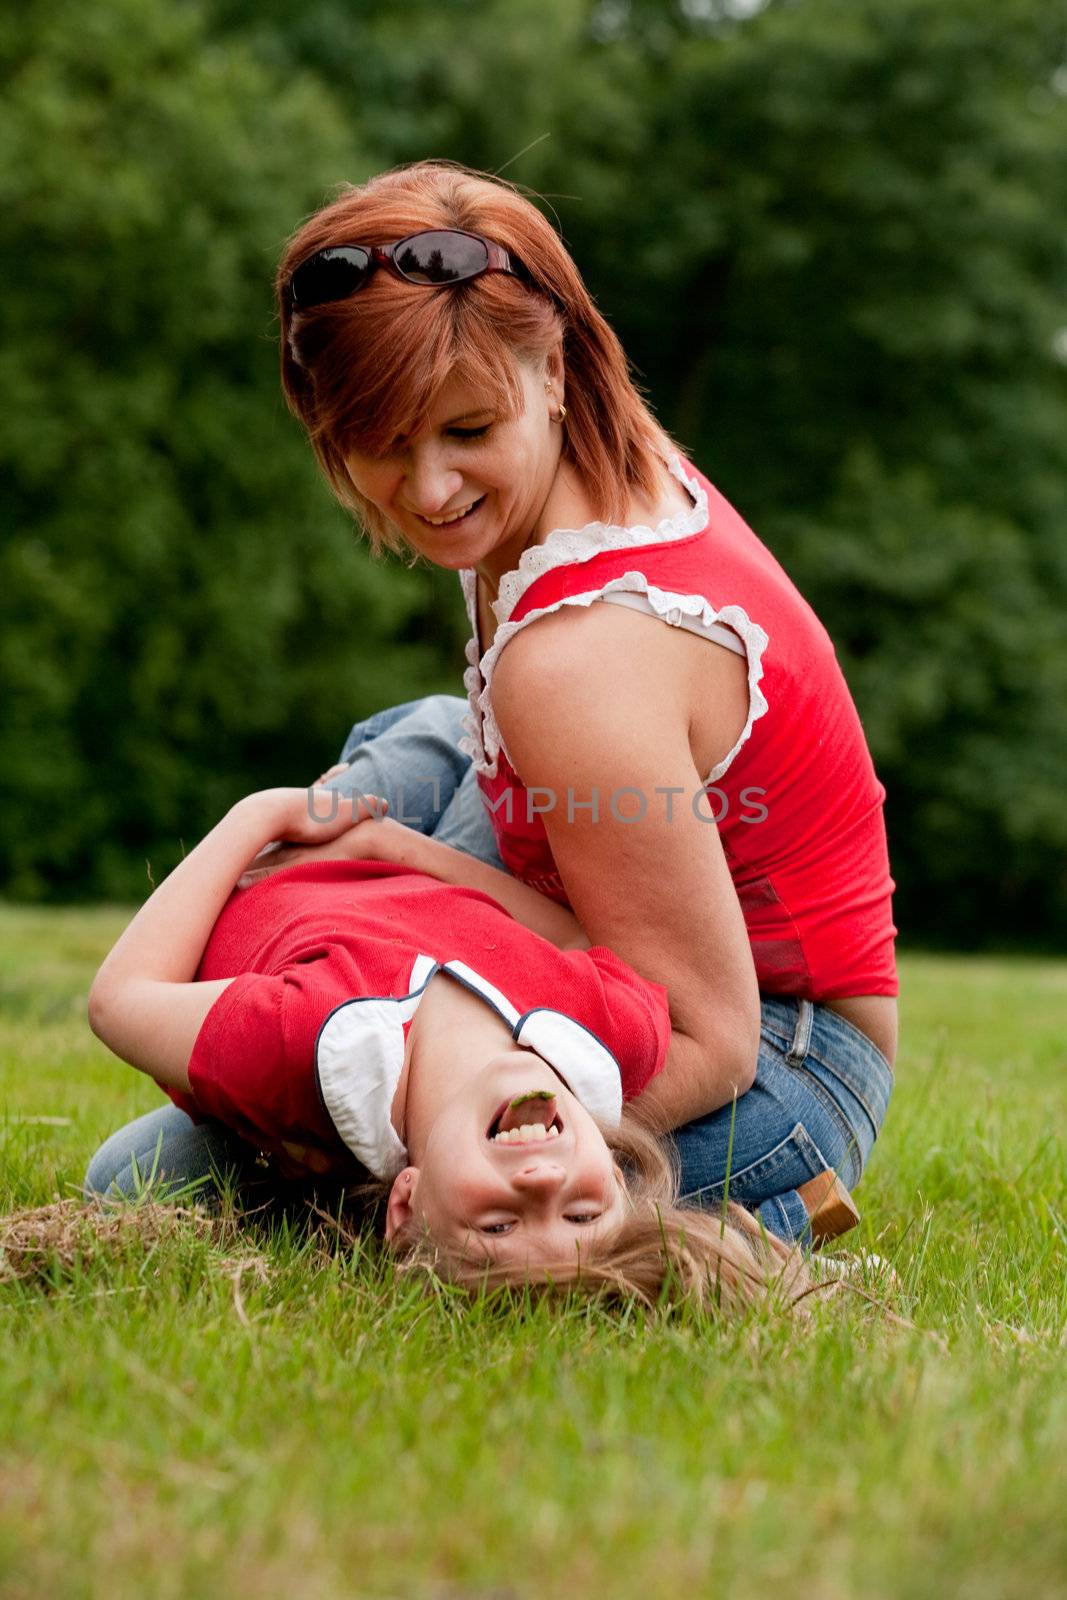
[[828, 232], [183, 615]]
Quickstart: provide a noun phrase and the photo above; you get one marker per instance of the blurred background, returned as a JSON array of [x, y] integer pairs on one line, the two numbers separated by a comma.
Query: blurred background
[[831, 236]]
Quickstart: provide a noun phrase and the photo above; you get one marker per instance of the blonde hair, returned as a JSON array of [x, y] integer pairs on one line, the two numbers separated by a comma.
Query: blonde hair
[[362, 371], [664, 1254]]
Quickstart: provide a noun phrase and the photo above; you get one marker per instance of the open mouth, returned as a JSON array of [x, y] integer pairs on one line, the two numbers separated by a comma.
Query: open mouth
[[456, 521], [529, 1118]]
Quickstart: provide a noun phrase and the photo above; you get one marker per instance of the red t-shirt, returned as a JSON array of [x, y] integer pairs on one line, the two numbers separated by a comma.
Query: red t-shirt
[[797, 803], [286, 1057]]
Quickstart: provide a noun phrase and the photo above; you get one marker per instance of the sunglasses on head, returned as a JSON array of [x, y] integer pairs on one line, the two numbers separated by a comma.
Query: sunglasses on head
[[440, 257]]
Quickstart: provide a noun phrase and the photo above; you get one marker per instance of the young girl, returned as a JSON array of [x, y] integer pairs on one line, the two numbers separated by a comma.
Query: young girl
[[356, 1015]]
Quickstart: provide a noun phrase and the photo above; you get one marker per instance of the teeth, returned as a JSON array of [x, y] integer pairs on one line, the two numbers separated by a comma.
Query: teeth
[[530, 1132], [442, 522]]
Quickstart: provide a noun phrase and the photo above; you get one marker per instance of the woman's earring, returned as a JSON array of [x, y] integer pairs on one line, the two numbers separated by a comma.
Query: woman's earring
[[561, 414]]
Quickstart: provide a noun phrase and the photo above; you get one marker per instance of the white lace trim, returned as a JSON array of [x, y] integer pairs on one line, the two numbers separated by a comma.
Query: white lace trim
[[566, 547], [563, 547]]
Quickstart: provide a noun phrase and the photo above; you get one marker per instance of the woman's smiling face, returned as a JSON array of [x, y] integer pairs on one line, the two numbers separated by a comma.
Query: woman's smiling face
[[468, 488]]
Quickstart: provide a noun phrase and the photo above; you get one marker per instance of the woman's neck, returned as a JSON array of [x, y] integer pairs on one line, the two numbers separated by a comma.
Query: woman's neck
[[568, 505]]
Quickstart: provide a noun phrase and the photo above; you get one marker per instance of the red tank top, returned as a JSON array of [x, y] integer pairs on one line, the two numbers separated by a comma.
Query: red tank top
[[797, 801]]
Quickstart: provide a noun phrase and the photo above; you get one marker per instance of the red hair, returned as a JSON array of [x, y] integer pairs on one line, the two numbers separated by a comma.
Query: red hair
[[361, 372]]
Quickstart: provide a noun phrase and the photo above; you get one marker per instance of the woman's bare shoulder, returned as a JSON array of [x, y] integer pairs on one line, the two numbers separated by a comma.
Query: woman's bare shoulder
[[582, 654], [572, 505], [670, 498]]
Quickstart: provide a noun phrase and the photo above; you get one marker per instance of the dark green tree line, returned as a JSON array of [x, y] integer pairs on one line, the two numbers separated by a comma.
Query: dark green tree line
[[184, 615], [829, 235]]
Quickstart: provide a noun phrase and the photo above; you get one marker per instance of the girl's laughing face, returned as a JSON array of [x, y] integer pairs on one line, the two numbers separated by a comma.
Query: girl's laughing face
[[515, 1169]]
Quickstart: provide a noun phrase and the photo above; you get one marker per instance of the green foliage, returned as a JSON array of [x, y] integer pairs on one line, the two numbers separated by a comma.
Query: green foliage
[[828, 232], [182, 613]]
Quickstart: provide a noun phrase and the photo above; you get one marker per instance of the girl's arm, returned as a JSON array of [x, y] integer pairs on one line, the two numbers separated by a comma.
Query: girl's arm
[[534, 910], [144, 1003], [386, 840]]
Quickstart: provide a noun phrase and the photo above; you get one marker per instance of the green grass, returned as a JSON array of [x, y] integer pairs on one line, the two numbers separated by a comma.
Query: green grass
[[200, 1416]]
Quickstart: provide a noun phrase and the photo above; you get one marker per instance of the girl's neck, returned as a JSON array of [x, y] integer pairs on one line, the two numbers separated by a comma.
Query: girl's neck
[[452, 1035]]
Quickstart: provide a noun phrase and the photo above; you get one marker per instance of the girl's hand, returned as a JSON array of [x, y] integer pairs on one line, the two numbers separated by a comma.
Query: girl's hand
[[331, 772], [319, 825]]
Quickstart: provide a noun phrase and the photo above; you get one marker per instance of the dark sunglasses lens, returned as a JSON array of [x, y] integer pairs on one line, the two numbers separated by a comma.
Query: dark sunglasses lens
[[440, 257], [332, 274]]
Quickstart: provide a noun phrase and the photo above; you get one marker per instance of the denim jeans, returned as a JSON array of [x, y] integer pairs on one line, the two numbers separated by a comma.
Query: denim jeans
[[819, 1100], [167, 1152], [409, 755], [821, 1088]]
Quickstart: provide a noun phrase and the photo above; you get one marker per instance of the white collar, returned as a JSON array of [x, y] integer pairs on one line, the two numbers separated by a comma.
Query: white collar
[[359, 1055]]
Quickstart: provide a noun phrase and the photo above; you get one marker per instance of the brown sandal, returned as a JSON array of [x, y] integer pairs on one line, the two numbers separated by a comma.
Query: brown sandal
[[829, 1205]]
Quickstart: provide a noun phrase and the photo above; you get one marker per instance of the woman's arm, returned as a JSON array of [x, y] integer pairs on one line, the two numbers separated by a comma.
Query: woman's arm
[[657, 889], [387, 840], [534, 910], [144, 1004]]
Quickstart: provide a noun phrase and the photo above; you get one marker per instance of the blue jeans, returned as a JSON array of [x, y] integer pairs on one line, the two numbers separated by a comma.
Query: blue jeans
[[821, 1088], [167, 1155], [819, 1100], [409, 755], [167, 1152]]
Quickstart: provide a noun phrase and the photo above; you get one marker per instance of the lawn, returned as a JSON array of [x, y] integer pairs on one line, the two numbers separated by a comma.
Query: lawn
[[191, 1415]]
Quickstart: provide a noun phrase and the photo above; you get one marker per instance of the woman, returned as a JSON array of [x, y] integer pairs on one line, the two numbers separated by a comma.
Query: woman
[[467, 401], [332, 1014]]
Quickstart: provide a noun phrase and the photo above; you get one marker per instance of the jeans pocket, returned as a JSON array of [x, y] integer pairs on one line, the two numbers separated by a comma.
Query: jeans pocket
[[847, 1139], [794, 1160], [860, 1082]]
